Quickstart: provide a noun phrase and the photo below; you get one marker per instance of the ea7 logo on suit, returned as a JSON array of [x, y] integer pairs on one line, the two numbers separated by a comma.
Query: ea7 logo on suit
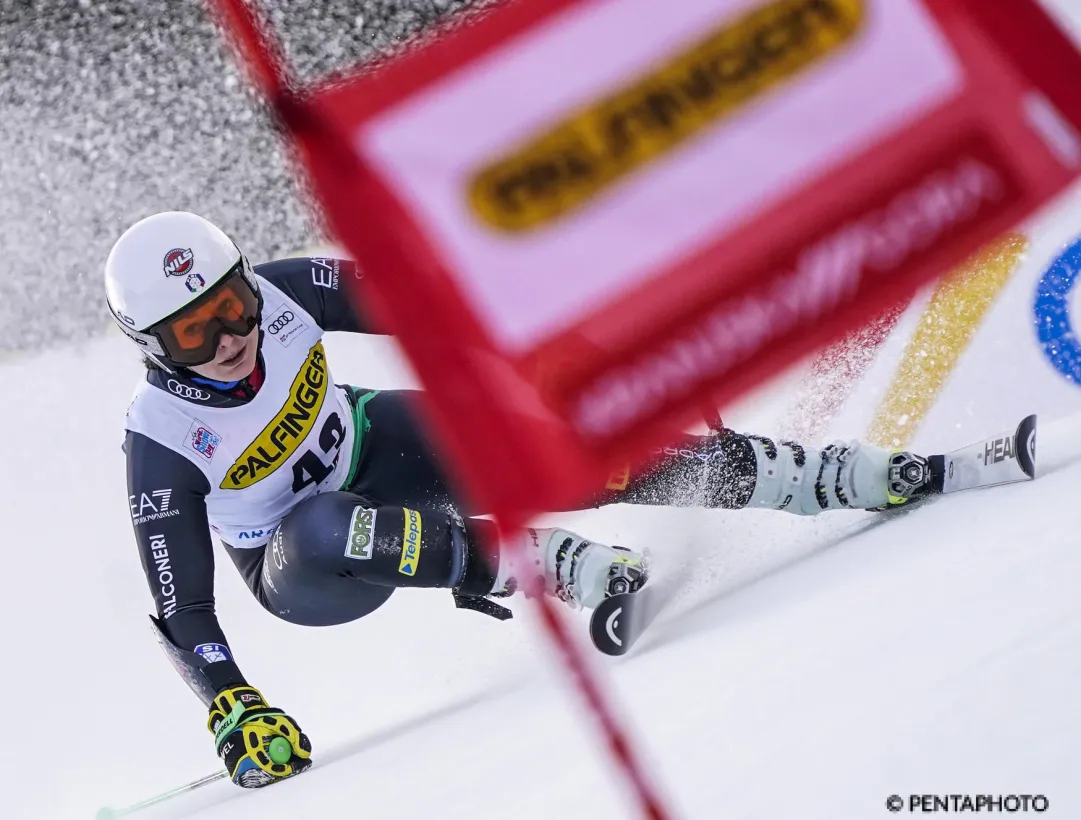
[[151, 507]]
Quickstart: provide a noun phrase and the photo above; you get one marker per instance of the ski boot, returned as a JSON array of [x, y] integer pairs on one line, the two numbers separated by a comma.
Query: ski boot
[[579, 572], [840, 476], [911, 477]]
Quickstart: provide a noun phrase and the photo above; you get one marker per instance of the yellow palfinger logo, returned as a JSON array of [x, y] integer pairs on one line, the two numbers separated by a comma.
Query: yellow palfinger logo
[[411, 542], [279, 439], [597, 146]]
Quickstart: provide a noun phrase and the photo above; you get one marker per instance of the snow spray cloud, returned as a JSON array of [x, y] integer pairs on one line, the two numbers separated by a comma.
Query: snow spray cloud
[[115, 109]]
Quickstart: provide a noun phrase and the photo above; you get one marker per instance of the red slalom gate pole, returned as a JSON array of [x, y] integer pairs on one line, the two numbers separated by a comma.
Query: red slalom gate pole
[[615, 735], [263, 58], [598, 703]]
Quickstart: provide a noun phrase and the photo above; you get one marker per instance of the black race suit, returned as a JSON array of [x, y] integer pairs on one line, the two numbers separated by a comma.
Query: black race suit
[[303, 576]]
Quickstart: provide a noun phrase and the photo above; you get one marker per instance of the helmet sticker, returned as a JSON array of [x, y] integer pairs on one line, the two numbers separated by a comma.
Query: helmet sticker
[[195, 282], [179, 262]]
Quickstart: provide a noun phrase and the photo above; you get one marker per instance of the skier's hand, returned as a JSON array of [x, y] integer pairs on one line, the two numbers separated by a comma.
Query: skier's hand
[[246, 736]]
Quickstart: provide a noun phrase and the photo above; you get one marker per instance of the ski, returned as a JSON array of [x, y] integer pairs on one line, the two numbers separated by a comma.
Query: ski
[[620, 620], [1002, 459]]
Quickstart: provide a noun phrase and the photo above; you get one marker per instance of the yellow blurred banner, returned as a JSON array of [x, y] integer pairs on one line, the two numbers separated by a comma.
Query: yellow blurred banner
[[955, 311], [609, 139]]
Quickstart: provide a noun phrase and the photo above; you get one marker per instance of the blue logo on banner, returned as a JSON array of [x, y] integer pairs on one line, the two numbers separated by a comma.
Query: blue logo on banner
[[213, 652], [1056, 335]]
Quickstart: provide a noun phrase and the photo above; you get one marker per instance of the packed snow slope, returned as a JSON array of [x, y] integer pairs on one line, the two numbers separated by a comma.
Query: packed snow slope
[[933, 652], [817, 666]]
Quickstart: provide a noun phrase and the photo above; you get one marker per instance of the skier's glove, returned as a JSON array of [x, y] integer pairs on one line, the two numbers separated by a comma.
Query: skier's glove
[[244, 728]]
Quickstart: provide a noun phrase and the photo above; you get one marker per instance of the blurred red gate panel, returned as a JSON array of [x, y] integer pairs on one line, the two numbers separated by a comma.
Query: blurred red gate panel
[[584, 218]]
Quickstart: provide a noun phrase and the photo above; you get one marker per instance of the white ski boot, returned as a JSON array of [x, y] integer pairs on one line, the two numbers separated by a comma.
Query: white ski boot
[[852, 475], [557, 562]]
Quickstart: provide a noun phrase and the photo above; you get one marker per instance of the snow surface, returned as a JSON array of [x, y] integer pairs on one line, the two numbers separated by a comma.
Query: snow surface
[[826, 664], [820, 666]]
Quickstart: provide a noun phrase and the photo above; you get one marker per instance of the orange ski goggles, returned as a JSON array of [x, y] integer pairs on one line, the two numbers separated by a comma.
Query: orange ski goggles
[[191, 335]]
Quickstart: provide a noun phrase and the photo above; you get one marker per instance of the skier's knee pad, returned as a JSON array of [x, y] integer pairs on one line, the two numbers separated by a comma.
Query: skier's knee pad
[[313, 533], [302, 580], [806, 482], [340, 534]]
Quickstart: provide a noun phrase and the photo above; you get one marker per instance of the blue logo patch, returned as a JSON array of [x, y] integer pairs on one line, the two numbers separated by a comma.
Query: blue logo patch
[[213, 652], [195, 282], [1056, 335]]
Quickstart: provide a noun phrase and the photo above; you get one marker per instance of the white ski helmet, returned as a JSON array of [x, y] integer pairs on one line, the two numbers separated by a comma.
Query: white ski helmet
[[175, 283]]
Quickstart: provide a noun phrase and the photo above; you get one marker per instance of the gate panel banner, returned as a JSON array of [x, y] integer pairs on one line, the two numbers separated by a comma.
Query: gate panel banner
[[585, 219]]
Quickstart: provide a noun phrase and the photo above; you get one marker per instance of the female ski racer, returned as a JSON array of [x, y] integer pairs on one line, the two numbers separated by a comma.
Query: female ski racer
[[329, 497]]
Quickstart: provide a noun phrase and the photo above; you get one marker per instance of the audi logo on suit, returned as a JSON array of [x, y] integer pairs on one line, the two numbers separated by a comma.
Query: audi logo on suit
[[187, 392], [278, 325]]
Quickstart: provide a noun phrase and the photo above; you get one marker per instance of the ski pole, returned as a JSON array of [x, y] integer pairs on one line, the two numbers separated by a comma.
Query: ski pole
[[110, 814]]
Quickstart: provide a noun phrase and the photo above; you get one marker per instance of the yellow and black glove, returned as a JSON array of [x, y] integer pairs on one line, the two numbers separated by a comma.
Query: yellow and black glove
[[260, 745]]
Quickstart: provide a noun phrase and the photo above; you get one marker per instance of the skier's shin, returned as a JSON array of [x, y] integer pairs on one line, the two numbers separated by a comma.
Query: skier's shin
[[708, 471]]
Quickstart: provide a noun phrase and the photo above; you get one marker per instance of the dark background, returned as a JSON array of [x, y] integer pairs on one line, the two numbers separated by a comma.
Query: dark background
[[110, 111]]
